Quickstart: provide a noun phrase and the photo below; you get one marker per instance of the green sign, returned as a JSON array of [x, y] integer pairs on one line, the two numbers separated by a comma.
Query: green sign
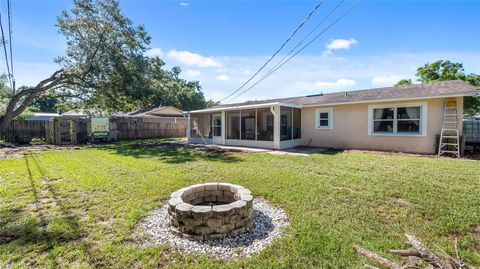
[[100, 127]]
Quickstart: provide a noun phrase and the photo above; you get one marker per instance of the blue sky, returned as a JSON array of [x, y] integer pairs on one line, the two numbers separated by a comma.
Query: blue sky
[[221, 43]]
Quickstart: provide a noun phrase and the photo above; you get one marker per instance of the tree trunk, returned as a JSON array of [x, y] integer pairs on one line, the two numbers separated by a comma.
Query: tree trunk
[[22, 99], [5, 122]]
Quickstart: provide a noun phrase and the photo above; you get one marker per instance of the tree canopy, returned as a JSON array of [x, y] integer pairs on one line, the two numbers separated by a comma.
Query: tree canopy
[[404, 82], [442, 70], [104, 67]]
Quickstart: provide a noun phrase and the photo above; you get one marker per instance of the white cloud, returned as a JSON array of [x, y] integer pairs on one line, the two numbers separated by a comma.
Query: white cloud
[[192, 73], [298, 77], [184, 4], [386, 80], [223, 77], [155, 52], [338, 84], [337, 44], [193, 59]]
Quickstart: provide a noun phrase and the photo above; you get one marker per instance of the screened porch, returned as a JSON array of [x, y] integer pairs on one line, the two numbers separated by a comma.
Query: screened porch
[[268, 126]]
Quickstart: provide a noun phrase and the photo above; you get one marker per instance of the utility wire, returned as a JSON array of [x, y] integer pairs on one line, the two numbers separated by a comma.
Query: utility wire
[[300, 50], [278, 50], [9, 7], [269, 72], [305, 38], [5, 51]]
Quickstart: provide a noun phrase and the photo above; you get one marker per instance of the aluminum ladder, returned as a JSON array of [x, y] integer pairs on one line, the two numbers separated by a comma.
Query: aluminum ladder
[[449, 137]]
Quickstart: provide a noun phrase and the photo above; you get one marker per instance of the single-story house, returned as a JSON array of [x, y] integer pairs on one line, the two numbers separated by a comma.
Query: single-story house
[[404, 118], [162, 113], [81, 113]]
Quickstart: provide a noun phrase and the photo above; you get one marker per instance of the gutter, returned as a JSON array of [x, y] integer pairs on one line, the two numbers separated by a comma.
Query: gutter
[[389, 100], [476, 93], [272, 109], [226, 108]]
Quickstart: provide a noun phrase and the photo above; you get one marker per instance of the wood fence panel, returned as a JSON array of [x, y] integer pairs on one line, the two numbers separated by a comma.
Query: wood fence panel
[[138, 129], [23, 131], [66, 131], [50, 132]]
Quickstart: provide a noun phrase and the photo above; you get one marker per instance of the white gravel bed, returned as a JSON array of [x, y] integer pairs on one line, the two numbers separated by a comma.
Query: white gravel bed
[[268, 224]]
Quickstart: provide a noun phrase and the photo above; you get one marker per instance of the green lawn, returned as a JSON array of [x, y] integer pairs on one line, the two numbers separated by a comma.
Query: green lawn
[[80, 208]]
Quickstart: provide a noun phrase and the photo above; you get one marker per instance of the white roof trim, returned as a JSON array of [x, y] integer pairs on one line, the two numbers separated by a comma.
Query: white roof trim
[[38, 114], [226, 108], [325, 104]]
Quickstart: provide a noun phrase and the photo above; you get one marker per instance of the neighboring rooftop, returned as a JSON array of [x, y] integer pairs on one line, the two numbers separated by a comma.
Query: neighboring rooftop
[[42, 116], [415, 91], [163, 111], [86, 113], [48, 114], [81, 113]]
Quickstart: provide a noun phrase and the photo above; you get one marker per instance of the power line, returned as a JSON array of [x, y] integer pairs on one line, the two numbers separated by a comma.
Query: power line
[[305, 38], [5, 51], [301, 49], [278, 50], [9, 7], [269, 72]]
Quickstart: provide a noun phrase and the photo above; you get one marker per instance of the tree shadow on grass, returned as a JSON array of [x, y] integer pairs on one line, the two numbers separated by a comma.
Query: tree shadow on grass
[[46, 220], [171, 152]]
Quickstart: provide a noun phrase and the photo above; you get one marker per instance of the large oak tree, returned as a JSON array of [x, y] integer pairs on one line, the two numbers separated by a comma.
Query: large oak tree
[[104, 56]]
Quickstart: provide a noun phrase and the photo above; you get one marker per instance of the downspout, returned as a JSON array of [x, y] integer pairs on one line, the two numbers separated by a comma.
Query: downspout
[[272, 109]]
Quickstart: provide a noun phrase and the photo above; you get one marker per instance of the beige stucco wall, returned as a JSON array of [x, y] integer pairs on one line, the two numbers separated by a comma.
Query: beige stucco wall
[[350, 128]]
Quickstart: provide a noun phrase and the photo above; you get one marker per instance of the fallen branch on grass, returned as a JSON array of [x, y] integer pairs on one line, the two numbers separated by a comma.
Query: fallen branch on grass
[[418, 257]]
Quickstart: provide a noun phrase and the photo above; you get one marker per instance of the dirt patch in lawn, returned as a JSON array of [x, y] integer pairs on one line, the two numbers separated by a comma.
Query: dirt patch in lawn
[[172, 146], [471, 155], [400, 201], [389, 153], [19, 151]]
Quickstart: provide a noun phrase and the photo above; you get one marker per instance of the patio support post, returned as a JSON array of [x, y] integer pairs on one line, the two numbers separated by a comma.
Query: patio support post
[[188, 128], [223, 127], [276, 125]]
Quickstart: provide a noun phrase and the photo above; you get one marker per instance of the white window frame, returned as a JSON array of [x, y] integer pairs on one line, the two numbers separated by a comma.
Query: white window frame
[[423, 119], [328, 110]]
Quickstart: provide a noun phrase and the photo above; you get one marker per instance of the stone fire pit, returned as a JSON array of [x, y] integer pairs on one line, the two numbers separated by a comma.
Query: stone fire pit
[[211, 211]]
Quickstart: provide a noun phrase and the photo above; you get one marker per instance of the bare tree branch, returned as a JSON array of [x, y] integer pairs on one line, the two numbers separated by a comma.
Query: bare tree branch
[[425, 253], [377, 258], [405, 252]]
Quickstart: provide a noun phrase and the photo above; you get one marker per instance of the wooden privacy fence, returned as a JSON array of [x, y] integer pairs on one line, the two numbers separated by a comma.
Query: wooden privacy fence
[[121, 129], [76, 131], [23, 131]]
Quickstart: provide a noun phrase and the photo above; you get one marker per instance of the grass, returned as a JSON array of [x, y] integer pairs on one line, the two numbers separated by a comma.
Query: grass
[[79, 208]]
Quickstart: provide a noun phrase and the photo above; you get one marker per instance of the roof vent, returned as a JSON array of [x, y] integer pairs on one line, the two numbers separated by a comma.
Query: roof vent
[[313, 95]]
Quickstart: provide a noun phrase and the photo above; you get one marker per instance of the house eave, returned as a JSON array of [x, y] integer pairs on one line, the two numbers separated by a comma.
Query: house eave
[[387, 100], [227, 108]]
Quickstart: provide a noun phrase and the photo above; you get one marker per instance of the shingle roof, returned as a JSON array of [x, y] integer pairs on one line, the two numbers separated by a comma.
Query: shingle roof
[[415, 91], [155, 112]]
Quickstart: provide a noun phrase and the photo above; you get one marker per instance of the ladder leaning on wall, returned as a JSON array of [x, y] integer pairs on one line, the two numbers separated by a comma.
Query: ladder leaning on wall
[[450, 137]]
